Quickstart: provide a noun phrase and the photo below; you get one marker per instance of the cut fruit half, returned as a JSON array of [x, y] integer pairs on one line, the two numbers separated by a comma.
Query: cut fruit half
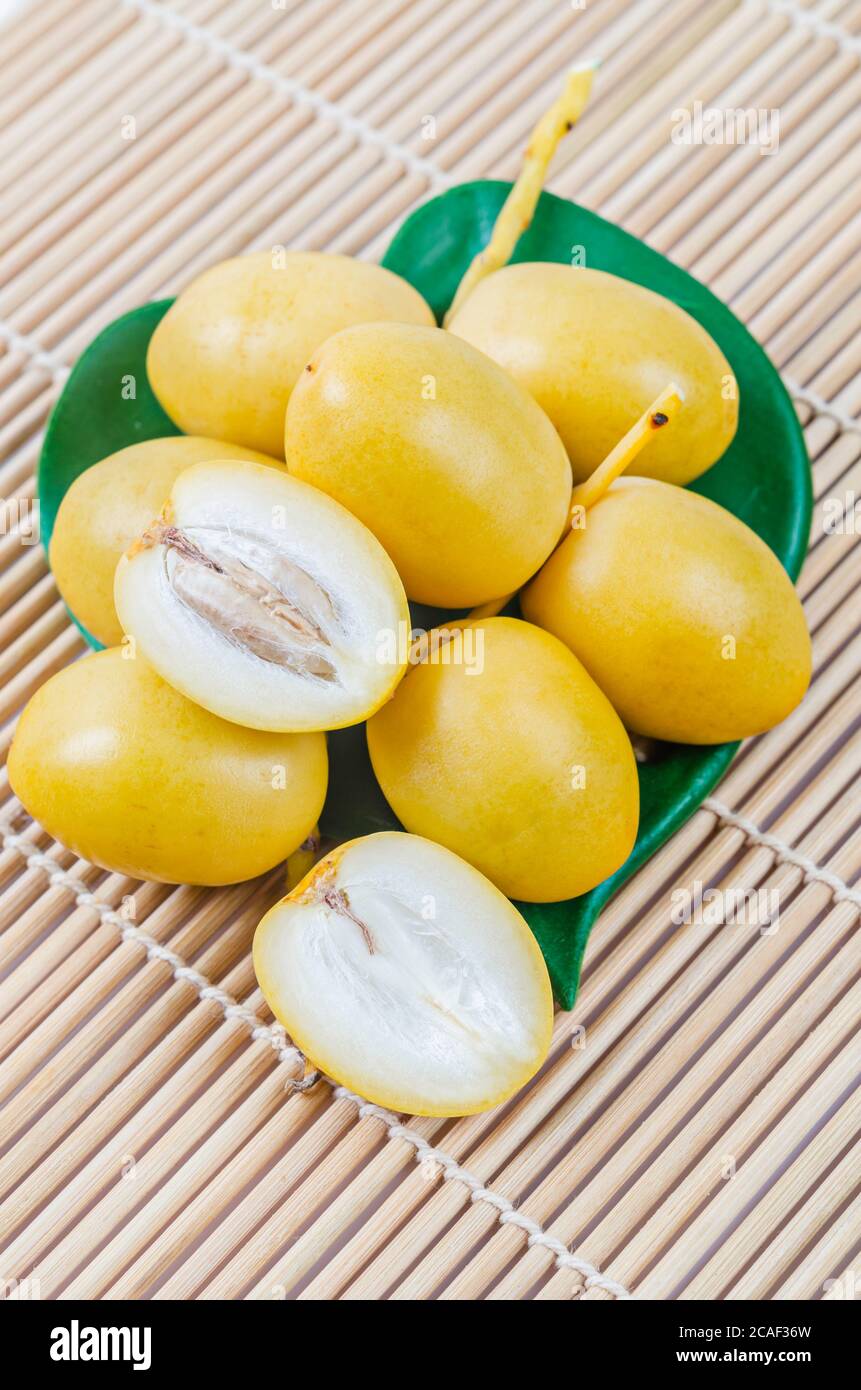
[[403, 974], [264, 601], [107, 506]]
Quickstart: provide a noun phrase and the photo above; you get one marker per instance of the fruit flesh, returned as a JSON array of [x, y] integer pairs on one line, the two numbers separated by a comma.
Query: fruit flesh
[[452, 466], [228, 352], [594, 349], [122, 769], [264, 601], [524, 768], [107, 507], [682, 615], [406, 976]]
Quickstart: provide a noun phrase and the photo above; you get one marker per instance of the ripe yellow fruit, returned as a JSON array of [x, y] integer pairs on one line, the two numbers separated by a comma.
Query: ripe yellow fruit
[[683, 616], [501, 747], [594, 350], [264, 600], [107, 507], [406, 976], [227, 353], [446, 459], [120, 768]]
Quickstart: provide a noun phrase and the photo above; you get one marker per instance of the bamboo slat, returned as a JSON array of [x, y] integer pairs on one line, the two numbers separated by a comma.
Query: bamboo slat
[[695, 1131]]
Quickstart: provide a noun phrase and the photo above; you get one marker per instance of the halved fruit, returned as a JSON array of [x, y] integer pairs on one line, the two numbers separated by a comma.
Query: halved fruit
[[264, 601], [107, 506], [403, 974]]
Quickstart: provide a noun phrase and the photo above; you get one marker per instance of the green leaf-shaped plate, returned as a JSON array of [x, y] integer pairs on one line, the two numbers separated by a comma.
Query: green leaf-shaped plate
[[764, 478]]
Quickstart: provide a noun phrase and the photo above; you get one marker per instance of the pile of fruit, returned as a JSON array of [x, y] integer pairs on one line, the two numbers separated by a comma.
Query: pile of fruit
[[342, 454]]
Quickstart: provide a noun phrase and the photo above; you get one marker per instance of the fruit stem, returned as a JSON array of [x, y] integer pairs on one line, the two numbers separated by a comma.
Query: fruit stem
[[659, 414], [519, 207], [663, 410]]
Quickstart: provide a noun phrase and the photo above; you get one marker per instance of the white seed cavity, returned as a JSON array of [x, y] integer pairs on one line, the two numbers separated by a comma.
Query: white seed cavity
[[253, 595]]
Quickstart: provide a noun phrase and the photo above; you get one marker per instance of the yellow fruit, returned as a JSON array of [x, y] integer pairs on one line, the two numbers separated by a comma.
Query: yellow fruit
[[682, 615], [451, 465], [502, 748], [227, 354], [594, 349], [406, 976], [264, 600], [123, 770], [107, 507]]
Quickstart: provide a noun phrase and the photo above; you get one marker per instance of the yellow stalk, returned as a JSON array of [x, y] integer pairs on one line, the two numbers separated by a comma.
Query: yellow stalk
[[660, 413], [658, 416], [519, 207]]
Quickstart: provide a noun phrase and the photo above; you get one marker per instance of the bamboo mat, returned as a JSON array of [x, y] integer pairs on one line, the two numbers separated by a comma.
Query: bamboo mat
[[694, 1133]]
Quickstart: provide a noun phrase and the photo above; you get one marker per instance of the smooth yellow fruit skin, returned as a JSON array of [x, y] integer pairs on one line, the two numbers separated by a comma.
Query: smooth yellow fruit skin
[[594, 350], [451, 465], [489, 765], [131, 775], [108, 506], [228, 352], [683, 616]]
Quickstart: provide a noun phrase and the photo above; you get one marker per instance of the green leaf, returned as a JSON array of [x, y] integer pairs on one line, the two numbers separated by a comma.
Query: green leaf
[[106, 404], [764, 478]]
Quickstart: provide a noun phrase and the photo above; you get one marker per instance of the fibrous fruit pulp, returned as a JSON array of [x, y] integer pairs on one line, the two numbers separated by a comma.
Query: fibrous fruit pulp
[[108, 506], [264, 601]]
